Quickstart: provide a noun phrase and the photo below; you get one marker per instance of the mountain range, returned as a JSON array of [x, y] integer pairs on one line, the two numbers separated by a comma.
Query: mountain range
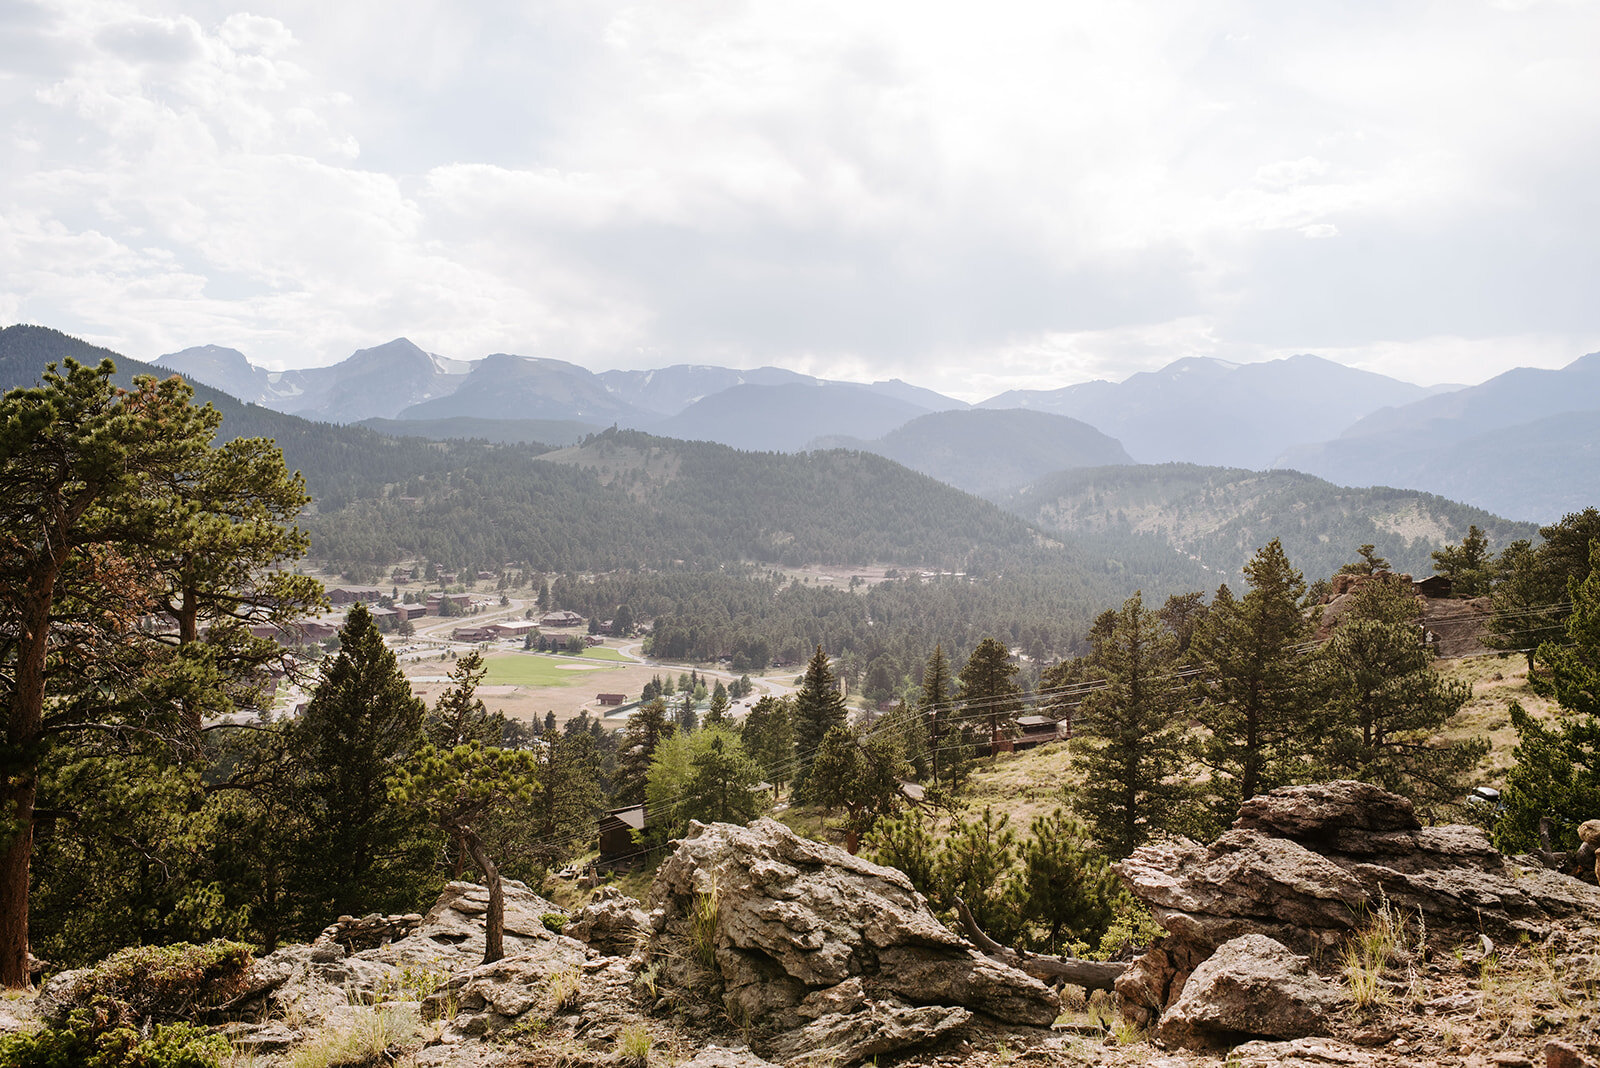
[[1524, 444]]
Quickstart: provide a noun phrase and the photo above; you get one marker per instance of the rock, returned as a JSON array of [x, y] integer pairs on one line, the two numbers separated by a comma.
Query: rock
[[800, 930], [1303, 865], [451, 934], [611, 923], [248, 1038], [717, 1057], [1559, 1054], [1300, 1053], [510, 987], [1251, 987], [886, 1027]]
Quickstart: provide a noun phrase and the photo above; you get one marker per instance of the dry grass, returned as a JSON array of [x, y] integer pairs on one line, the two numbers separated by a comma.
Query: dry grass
[[1496, 682]]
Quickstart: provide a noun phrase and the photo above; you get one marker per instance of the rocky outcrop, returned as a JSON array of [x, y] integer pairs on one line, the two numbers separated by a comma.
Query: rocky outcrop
[[822, 949], [451, 935], [1305, 865], [611, 923], [1250, 988]]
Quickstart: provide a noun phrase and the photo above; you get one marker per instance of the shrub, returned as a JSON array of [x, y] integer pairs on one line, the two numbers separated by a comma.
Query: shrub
[[81, 1045], [141, 984]]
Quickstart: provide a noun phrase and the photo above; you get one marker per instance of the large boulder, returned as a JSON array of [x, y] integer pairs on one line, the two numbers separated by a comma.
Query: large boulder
[[1250, 988], [796, 935], [611, 923], [451, 935], [1306, 865]]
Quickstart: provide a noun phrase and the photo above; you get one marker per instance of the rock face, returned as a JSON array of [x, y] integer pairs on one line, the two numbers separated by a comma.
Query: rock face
[[1251, 987], [801, 937], [1304, 865], [611, 923], [452, 933]]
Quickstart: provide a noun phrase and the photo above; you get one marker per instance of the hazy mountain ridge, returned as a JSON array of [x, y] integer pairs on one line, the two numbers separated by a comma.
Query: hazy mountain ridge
[[1220, 516], [1525, 443], [987, 451], [787, 417], [1203, 410]]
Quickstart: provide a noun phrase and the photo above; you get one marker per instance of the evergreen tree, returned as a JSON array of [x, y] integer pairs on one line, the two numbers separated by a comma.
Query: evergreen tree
[[818, 708], [1385, 703], [937, 704], [860, 772], [1468, 566], [989, 690], [717, 711], [769, 739], [1531, 584], [364, 854], [460, 717], [721, 775], [646, 729], [1066, 890], [1369, 564], [1255, 702], [974, 863], [559, 819], [1557, 772], [116, 506], [458, 790], [1130, 743]]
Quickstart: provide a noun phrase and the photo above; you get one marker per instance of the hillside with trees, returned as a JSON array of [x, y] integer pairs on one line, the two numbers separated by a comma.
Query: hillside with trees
[[1220, 515]]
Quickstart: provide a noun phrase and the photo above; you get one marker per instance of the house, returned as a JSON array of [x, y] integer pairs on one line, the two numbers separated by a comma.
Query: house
[[562, 618], [404, 611], [1432, 586], [610, 700], [485, 575], [292, 634], [352, 594], [1036, 730], [515, 628], [617, 828]]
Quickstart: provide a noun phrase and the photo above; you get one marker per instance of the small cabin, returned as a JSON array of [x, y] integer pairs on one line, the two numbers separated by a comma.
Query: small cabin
[[617, 828]]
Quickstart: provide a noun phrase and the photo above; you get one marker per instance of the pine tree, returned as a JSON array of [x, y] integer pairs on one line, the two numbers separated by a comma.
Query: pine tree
[[769, 739], [1255, 702], [717, 710], [860, 772], [989, 690], [116, 506], [361, 723], [720, 779], [647, 728], [1066, 890], [1385, 702], [937, 704], [1468, 566], [1557, 773], [1131, 737], [818, 708]]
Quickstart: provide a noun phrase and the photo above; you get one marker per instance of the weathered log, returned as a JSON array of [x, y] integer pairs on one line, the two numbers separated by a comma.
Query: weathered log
[[1089, 974]]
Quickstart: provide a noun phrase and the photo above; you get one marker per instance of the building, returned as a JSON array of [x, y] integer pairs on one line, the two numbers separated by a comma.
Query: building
[[617, 828], [473, 634], [562, 618], [352, 594], [1036, 731], [611, 700], [515, 628]]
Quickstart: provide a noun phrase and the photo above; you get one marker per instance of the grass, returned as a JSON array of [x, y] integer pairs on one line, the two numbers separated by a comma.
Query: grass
[[543, 669], [361, 1038], [1385, 941], [1496, 681], [633, 1045]]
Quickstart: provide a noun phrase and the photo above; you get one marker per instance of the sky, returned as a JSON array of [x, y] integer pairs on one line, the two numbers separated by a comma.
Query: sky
[[972, 198]]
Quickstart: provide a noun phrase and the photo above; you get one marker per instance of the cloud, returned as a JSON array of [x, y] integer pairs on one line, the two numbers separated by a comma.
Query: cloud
[[1029, 197]]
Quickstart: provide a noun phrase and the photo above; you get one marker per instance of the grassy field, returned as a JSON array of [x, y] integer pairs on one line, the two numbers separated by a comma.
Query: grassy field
[[534, 669]]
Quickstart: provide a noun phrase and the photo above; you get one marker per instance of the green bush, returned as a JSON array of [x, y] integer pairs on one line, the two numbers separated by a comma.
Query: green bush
[[160, 983], [554, 921], [81, 1045]]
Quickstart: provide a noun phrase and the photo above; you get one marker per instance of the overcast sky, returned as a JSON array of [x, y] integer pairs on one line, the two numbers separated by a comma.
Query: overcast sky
[[969, 197]]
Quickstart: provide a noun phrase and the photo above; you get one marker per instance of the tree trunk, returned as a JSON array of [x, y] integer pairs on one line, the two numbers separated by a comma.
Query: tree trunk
[[494, 925], [1089, 974], [24, 725]]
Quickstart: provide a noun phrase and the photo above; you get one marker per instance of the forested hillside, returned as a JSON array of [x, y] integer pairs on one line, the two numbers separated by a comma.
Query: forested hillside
[[1220, 515]]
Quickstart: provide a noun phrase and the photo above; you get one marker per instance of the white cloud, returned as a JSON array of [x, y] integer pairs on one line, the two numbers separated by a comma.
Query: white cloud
[[1023, 196]]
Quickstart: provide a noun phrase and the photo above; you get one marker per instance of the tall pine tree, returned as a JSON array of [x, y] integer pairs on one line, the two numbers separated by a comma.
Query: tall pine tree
[[1130, 743], [818, 708], [1255, 701]]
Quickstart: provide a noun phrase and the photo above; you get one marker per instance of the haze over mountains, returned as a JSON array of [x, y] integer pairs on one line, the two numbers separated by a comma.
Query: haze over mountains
[[1489, 445]]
